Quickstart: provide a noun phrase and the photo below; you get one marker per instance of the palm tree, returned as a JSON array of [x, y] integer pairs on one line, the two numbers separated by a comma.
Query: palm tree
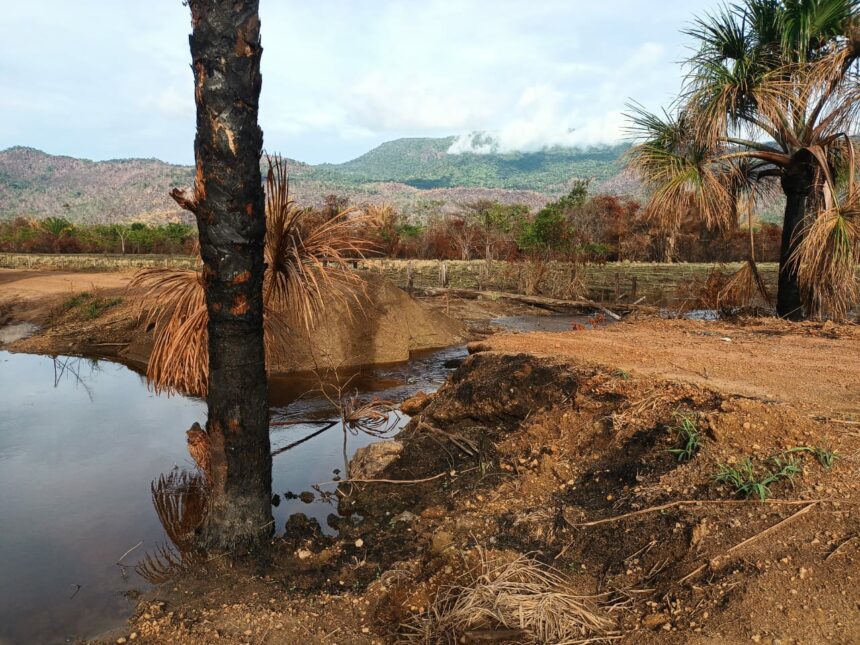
[[228, 202], [772, 85], [307, 266]]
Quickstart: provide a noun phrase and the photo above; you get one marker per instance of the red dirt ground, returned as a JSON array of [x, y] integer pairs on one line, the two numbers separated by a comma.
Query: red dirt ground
[[813, 366]]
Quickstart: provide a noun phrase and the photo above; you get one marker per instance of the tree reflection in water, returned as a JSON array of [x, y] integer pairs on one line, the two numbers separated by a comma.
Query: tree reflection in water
[[180, 498]]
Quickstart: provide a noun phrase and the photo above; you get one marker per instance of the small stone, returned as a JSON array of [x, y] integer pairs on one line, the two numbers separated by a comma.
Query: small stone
[[120, 640], [405, 516], [441, 542], [359, 543], [303, 554], [655, 620], [756, 638]]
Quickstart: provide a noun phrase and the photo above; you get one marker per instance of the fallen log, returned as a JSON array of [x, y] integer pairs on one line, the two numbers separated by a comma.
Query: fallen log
[[552, 304]]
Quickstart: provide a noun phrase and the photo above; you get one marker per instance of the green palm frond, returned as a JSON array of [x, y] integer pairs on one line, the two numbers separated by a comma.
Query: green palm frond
[[809, 27], [682, 173]]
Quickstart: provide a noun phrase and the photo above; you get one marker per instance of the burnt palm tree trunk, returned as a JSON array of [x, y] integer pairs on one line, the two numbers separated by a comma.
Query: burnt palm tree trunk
[[228, 202], [796, 184]]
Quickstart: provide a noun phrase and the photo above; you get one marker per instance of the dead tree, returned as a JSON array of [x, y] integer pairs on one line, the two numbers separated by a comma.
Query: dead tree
[[228, 203]]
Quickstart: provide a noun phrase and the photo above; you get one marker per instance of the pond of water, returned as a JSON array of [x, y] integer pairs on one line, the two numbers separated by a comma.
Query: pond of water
[[81, 443]]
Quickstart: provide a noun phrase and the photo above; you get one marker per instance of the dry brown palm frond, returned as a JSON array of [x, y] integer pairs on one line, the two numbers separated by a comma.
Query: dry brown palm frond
[[307, 266], [174, 301], [827, 259], [521, 597], [376, 417], [180, 501], [743, 287], [308, 261]]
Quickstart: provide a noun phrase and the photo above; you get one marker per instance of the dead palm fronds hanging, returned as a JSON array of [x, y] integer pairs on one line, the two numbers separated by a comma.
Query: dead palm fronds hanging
[[307, 262], [828, 258], [742, 288]]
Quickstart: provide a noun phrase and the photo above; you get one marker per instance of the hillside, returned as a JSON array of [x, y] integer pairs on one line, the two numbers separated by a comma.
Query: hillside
[[426, 163], [36, 184], [414, 174]]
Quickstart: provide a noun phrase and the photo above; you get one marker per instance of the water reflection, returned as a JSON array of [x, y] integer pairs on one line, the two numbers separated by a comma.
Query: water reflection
[[80, 444], [180, 498]]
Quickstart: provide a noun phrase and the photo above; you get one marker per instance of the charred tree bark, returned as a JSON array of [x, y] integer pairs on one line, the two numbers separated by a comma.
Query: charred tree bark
[[796, 182], [229, 205]]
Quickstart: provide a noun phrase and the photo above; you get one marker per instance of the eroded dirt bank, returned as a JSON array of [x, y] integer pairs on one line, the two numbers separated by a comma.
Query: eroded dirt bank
[[575, 467], [95, 314]]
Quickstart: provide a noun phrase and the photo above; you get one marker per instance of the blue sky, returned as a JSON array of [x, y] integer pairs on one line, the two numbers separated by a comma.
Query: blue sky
[[111, 78]]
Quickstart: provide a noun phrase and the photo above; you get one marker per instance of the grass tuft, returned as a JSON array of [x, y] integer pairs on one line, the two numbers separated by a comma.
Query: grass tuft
[[749, 481], [689, 438], [90, 306]]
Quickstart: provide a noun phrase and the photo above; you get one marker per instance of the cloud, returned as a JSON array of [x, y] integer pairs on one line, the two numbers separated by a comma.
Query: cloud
[[546, 115], [341, 76]]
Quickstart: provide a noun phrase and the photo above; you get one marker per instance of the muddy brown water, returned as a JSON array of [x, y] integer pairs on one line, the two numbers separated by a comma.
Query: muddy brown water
[[82, 441]]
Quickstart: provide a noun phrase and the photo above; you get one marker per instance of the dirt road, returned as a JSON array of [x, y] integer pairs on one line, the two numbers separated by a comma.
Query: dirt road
[[813, 366]]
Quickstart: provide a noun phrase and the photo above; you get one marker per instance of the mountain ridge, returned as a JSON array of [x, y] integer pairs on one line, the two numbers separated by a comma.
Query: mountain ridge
[[409, 172]]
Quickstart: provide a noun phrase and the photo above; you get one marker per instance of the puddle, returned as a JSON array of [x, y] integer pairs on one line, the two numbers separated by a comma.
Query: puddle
[[12, 333]]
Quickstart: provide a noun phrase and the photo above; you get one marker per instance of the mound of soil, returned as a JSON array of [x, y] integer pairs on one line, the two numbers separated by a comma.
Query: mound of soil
[[572, 465], [384, 324]]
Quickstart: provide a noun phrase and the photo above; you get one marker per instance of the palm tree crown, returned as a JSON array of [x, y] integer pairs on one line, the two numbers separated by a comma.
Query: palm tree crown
[[771, 93]]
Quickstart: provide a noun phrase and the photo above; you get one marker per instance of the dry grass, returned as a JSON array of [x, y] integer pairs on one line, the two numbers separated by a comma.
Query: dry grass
[[376, 417], [519, 601]]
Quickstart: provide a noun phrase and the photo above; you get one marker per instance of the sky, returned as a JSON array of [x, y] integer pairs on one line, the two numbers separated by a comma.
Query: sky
[[104, 79]]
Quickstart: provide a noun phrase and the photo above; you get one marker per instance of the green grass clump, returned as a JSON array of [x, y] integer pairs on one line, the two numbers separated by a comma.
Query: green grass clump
[[749, 482], [825, 456], [689, 438], [90, 306], [77, 300]]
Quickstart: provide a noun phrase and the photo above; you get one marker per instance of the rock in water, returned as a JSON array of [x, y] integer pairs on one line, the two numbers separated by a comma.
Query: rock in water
[[371, 460], [415, 403]]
